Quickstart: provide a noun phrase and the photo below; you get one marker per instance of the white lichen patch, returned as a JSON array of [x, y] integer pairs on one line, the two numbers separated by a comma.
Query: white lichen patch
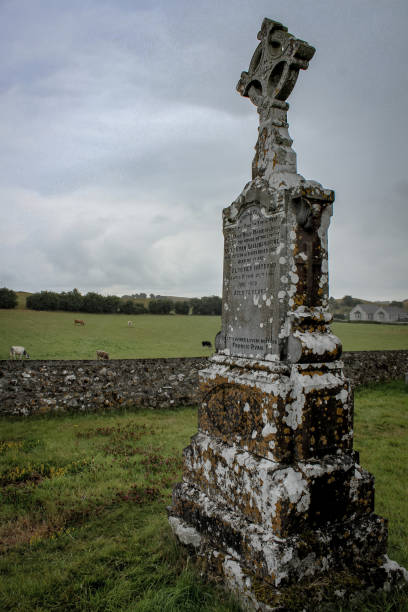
[[269, 428], [318, 343], [186, 534], [294, 411]]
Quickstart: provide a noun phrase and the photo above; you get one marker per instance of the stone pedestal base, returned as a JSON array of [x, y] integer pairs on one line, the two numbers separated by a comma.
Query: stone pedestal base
[[273, 502], [302, 578], [267, 573]]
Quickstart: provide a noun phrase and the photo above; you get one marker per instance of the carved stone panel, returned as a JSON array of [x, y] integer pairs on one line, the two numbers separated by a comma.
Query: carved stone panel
[[251, 279]]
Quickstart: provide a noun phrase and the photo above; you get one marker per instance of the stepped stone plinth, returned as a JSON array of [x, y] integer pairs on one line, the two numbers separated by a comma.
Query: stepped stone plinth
[[273, 502]]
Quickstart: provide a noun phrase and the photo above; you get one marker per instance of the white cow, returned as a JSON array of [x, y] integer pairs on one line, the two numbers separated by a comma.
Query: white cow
[[18, 352], [130, 323]]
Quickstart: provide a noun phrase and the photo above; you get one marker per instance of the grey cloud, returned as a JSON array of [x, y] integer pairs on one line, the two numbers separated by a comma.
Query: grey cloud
[[123, 139]]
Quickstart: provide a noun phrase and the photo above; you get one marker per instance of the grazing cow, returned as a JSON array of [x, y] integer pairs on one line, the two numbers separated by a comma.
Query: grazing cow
[[206, 343], [18, 352], [130, 323], [79, 322], [102, 355]]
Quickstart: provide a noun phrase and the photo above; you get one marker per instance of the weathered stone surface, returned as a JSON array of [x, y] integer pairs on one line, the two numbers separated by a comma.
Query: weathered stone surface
[[284, 498], [275, 274], [278, 412], [272, 495], [299, 573], [275, 559], [28, 387]]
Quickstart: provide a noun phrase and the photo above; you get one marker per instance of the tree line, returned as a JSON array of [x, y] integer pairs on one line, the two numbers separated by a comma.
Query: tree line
[[74, 301], [8, 298]]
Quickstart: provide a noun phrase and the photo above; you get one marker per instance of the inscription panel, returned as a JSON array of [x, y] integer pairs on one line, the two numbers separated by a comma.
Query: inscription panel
[[251, 283]]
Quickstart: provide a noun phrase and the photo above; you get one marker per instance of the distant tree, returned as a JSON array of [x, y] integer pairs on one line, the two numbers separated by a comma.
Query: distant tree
[[152, 296], [131, 307], [211, 305], [111, 303], [195, 303], [72, 301], [162, 306], [8, 298], [139, 308], [397, 304], [348, 300], [182, 307], [43, 300], [93, 302]]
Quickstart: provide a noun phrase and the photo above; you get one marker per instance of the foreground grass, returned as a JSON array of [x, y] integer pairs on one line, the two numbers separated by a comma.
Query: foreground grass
[[83, 522], [53, 335], [82, 510], [381, 426]]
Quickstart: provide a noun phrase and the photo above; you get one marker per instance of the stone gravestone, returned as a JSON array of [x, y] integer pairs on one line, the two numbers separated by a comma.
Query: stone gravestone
[[273, 502]]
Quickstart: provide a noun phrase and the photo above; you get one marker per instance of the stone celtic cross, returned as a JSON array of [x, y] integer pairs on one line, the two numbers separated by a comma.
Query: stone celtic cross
[[275, 66], [273, 502]]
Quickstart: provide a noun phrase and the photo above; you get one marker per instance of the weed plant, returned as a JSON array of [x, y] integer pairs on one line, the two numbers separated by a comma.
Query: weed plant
[[83, 524]]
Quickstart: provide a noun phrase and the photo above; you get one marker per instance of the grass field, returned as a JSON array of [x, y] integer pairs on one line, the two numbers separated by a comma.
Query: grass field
[[82, 516], [53, 335]]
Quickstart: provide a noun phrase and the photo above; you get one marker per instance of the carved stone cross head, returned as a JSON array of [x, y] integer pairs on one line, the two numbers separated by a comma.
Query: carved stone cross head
[[275, 65]]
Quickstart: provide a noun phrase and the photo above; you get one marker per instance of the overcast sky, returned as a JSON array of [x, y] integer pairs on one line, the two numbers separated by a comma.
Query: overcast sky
[[122, 138]]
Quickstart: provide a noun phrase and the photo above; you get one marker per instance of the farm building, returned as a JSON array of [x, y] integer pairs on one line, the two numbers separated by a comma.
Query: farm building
[[390, 313], [382, 314], [363, 312]]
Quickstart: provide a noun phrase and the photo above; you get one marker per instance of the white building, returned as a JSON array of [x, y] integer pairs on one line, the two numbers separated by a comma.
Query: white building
[[382, 314], [390, 314], [363, 312]]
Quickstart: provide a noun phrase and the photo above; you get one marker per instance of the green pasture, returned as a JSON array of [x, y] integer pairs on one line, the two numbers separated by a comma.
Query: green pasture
[[83, 501], [371, 336], [53, 335]]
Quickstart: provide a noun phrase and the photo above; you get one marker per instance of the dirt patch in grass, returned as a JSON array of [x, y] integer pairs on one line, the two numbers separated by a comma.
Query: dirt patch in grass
[[23, 530]]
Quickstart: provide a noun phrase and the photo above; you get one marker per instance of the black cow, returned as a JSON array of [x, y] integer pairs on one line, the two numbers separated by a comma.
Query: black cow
[[206, 343]]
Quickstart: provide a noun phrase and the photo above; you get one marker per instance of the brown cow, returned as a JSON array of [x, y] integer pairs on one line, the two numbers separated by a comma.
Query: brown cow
[[79, 322], [102, 355]]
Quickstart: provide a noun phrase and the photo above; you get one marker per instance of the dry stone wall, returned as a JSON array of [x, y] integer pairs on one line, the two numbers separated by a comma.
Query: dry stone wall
[[29, 387], [366, 367]]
